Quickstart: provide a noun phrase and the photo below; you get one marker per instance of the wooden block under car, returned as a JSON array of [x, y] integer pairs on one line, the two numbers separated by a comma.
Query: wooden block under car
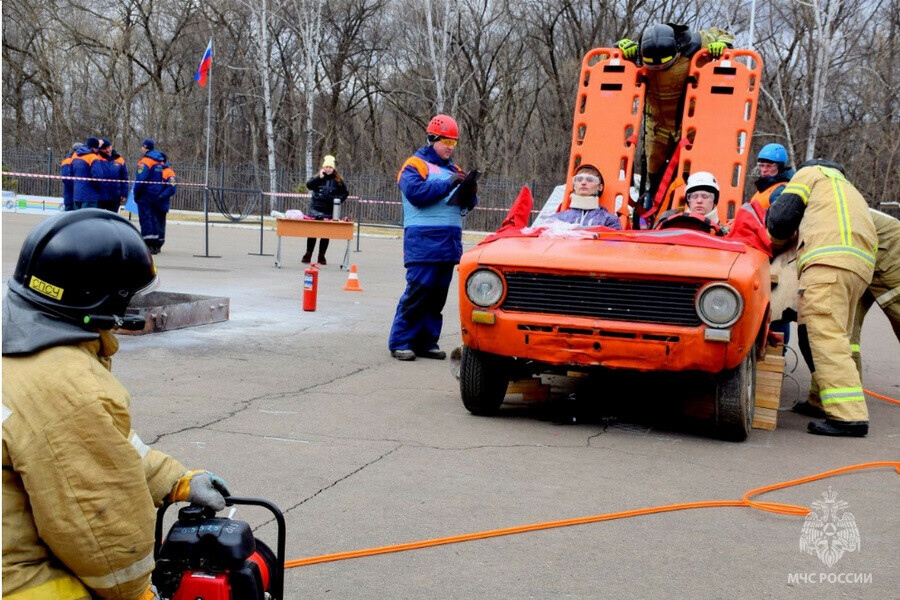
[[769, 377], [530, 389]]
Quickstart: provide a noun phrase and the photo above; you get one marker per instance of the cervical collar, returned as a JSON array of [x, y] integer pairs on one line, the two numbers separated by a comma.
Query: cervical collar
[[584, 202]]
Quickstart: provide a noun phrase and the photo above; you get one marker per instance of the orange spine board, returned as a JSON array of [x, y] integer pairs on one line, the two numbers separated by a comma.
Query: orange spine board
[[718, 120], [606, 125]]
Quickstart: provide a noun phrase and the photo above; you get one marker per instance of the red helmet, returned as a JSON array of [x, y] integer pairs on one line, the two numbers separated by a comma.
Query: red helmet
[[443, 126]]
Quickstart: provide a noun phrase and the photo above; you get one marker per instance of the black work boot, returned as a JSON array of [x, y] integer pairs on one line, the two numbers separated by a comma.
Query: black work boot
[[435, 353], [808, 410], [840, 428]]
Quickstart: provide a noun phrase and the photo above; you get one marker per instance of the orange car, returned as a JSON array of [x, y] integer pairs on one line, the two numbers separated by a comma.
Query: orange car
[[672, 300]]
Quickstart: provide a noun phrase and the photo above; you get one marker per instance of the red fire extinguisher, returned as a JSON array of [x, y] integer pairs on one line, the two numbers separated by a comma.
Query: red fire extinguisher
[[310, 287]]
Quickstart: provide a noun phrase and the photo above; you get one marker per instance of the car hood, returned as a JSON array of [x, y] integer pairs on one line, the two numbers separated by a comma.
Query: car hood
[[612, 254]]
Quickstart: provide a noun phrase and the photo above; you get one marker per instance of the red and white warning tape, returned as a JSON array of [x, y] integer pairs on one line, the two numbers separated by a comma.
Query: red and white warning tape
[[73, 178], [180, 183]]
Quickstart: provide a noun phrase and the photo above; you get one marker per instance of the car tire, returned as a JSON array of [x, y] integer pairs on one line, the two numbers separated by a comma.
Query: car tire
[[483, 379], [736, 398]]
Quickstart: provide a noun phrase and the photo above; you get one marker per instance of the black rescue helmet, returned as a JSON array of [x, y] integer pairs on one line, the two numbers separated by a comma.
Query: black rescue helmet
[[659, 45], [84, 262]]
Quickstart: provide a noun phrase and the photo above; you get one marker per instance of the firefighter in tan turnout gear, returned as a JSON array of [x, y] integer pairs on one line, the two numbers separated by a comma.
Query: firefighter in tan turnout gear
[[79, 486], [884, 290], [836, 259], [666, 50]]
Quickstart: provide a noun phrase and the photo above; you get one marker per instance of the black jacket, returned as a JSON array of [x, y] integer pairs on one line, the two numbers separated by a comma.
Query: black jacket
[[325, 190]]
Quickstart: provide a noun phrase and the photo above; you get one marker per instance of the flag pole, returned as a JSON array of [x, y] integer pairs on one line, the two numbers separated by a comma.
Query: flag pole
[[206, 176]]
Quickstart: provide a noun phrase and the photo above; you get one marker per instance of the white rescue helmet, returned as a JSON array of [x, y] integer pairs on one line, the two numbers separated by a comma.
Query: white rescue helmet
[[702, 181]]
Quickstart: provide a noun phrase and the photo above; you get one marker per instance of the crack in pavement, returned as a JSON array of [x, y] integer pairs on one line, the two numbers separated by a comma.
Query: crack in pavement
[[246, 404], [314, 437], [333, 484]]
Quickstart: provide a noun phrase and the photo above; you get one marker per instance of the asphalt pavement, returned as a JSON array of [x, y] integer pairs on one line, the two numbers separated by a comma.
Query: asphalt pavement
[[359, 450]]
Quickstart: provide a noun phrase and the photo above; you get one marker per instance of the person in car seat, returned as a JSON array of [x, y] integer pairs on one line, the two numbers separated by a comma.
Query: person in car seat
[[701, 196], [584, 204]]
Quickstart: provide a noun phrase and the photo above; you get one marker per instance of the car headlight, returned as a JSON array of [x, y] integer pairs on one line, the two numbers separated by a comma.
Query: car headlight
[[719, 305], [484, 287]]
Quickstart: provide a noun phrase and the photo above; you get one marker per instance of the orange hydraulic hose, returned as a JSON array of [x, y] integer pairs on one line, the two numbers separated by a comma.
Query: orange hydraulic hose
[[880, 397], [745, 502]]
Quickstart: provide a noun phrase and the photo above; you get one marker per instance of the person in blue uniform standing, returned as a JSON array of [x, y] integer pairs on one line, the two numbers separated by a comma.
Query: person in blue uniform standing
[[154, 186], [88, 166], [432, 240], [65, 170]]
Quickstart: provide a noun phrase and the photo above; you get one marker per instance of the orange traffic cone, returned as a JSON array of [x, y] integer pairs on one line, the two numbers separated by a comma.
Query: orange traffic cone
[[352, 284]]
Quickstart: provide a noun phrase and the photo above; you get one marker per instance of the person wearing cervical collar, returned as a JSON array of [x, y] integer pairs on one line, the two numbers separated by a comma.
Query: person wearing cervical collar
[[584, 204]]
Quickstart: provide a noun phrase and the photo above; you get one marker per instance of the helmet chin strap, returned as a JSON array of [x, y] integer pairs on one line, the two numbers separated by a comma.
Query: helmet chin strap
[[129, 322]]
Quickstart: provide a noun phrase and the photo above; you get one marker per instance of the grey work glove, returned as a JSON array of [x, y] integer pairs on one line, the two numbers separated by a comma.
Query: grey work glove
[[202, 488]]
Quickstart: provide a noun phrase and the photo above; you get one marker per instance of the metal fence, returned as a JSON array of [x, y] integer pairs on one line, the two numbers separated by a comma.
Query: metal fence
[[238, 189]]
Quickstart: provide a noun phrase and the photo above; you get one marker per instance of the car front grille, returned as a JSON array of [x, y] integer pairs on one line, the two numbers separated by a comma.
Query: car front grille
[[664, 302]]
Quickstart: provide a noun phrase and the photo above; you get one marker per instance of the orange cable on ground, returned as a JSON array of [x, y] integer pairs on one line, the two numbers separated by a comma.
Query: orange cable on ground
[[745, 502], [880, 397]]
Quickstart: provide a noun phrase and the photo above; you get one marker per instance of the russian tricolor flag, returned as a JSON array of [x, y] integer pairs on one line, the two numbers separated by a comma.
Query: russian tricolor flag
[[205, 64]]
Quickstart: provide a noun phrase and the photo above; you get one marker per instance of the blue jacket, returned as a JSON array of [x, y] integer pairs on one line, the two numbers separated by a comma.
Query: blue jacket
[[432, 228], [153, 169], [598, 217], [87, 163], [65, 169], [120, 170], [107, 169]]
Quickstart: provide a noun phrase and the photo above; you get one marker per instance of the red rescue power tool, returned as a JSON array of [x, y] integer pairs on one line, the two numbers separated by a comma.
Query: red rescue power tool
[[205, 557]]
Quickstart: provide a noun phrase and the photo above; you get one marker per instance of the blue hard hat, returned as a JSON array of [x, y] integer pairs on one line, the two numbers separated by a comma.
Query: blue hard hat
[[773, 153]]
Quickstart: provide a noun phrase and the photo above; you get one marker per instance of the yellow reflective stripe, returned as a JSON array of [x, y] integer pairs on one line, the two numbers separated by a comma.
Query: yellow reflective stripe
[[123, 575], [866, 256], [63, 588], [882, 300], [139, 445], [799, 189], [840, 202], [854, 348], [832, 173], [841, 395]]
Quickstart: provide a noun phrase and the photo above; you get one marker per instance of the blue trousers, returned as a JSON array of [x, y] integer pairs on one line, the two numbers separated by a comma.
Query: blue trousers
[[152, 217], [417, 323]]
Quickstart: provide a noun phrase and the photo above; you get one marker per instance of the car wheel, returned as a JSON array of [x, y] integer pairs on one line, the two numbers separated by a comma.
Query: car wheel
[[735, 399], [483, 379]]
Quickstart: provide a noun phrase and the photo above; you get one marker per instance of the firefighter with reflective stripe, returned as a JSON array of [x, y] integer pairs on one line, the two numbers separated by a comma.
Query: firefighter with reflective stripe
[[152, 196], [79, 485], [432, 241], [666, 51], [774, 173], [884, 290], [87, 164], [885, 286], [836, 249], [65, 170]]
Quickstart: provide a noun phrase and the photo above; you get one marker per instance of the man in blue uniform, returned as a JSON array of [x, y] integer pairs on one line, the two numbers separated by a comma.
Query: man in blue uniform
[[154, 186], [432, 241], [88, 165]]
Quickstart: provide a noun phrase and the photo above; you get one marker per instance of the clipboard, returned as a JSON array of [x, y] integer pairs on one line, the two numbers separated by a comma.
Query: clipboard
[[464, 194]]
